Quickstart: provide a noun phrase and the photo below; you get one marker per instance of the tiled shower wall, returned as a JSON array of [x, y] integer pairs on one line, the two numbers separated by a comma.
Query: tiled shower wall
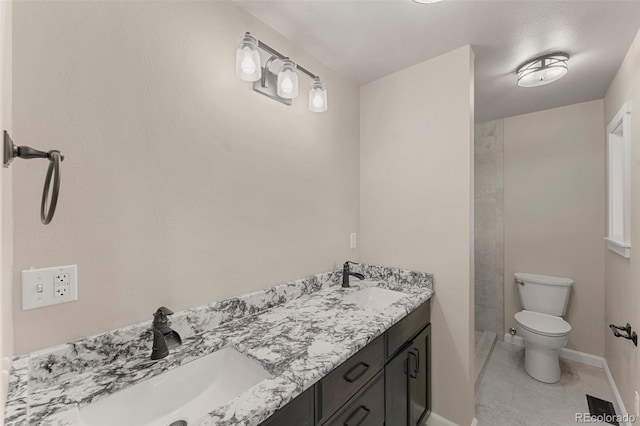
[[489, 226]]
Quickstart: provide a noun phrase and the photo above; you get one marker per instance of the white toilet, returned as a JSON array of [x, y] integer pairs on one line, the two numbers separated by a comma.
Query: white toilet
[[544, 300]]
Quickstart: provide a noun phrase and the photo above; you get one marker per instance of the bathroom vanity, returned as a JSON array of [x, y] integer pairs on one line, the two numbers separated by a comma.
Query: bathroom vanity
[[390, 375], [306, 352]]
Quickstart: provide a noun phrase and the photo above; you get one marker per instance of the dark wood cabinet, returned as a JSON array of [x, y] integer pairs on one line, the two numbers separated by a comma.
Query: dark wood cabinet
[[298, 412], [343, 382], [388, 382], [408, 382], [419, 373], [364, 409], [403, 331], [397, 389]]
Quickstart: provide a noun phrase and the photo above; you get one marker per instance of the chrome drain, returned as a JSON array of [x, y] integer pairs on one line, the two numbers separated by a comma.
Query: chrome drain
[[179, 423]]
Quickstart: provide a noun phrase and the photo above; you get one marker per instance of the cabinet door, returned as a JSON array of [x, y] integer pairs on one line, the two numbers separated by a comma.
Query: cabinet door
[[419, 372], [397, 389]]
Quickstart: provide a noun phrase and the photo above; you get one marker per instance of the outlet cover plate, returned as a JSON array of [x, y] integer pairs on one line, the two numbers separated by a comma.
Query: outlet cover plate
[[39, 286]]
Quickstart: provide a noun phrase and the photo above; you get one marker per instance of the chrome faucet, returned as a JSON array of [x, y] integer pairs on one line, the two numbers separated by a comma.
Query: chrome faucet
[[164, 337], [346, 273]]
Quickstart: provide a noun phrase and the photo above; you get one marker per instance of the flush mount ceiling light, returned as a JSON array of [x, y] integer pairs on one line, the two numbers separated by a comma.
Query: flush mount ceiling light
[[543, 70], [282, 87], [427, 1]]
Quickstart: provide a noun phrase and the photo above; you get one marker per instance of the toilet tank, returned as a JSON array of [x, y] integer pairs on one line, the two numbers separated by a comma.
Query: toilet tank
[[543, 293]]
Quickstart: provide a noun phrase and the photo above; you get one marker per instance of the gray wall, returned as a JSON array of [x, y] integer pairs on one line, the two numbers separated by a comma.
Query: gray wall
[[489, 227], [180, 185], [6, 222], [622, 292], [416, 191], [554, 211]]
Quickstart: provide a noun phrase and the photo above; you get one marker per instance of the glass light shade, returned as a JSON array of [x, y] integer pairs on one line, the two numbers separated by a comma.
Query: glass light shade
[[288, 80], [248, 59], [317, 96], [543, 70]]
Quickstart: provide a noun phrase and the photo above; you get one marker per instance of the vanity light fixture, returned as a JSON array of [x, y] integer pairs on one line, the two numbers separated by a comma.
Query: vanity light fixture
[[317, 96], [543, 70], [288, 80], [282, 86], [248, 59]]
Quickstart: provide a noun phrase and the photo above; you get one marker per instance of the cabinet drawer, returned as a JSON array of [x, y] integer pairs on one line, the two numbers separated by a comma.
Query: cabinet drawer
[[408, 327], [364, 409], [298, 412], [349, 377]]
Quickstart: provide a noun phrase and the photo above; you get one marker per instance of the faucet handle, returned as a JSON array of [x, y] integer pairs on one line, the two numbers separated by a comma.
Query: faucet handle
[[164, 310], [160, 316]]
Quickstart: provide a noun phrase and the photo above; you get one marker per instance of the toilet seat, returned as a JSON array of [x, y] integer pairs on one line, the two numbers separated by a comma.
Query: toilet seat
[[543, 324]]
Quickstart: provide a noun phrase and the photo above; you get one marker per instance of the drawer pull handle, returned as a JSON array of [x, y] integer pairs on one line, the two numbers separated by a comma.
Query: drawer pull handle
[[413, 372], [357, 417], [357, 372]]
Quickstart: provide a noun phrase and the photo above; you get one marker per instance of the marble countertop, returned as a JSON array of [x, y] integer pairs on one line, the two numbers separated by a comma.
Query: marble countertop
[[298, 342]]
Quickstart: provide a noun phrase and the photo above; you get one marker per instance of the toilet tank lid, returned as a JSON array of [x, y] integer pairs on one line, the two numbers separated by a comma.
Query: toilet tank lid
[[543, 279]]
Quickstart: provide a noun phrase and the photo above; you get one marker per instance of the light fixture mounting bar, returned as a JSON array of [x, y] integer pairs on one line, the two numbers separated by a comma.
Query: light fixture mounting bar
[[279, 55]]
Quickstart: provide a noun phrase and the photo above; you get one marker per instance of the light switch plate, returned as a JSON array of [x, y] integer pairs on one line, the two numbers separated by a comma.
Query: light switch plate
[[353, 240], [49, 286]]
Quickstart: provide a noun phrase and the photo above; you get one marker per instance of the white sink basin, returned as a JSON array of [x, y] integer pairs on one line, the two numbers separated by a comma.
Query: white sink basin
[[184, 393], [374, 297]]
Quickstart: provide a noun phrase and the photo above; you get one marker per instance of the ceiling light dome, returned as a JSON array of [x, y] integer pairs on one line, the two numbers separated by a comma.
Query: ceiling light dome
[[543, 70]]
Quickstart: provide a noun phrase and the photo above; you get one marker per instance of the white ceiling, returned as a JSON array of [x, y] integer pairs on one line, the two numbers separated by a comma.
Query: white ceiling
[[364, 40]]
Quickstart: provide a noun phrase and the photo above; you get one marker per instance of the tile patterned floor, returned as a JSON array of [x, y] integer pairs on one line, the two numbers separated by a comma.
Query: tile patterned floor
[[508, 396]]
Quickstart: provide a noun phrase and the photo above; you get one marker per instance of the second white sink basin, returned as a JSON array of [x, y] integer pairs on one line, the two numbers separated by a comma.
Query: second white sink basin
[[374, 297], [183, 394]]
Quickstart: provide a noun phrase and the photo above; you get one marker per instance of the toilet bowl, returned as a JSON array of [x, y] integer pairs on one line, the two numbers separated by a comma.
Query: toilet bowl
[[544, 301], [544, 335]]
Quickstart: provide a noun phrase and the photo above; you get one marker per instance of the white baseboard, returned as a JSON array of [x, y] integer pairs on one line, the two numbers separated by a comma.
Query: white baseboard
[[570, 354], [513, 339], [581, 357], [621, 410], [436, 420]]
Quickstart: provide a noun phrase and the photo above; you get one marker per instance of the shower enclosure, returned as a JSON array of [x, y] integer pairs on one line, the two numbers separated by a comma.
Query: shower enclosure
[[489, 241]]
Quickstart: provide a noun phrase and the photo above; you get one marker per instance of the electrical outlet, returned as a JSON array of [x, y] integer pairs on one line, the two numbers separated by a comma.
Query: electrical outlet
[[49, 286], [353, 241], [61, 279], [637, 404], [60, 290]]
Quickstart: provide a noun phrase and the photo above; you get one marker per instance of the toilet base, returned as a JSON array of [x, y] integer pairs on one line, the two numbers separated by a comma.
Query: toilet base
[[542, 364]]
